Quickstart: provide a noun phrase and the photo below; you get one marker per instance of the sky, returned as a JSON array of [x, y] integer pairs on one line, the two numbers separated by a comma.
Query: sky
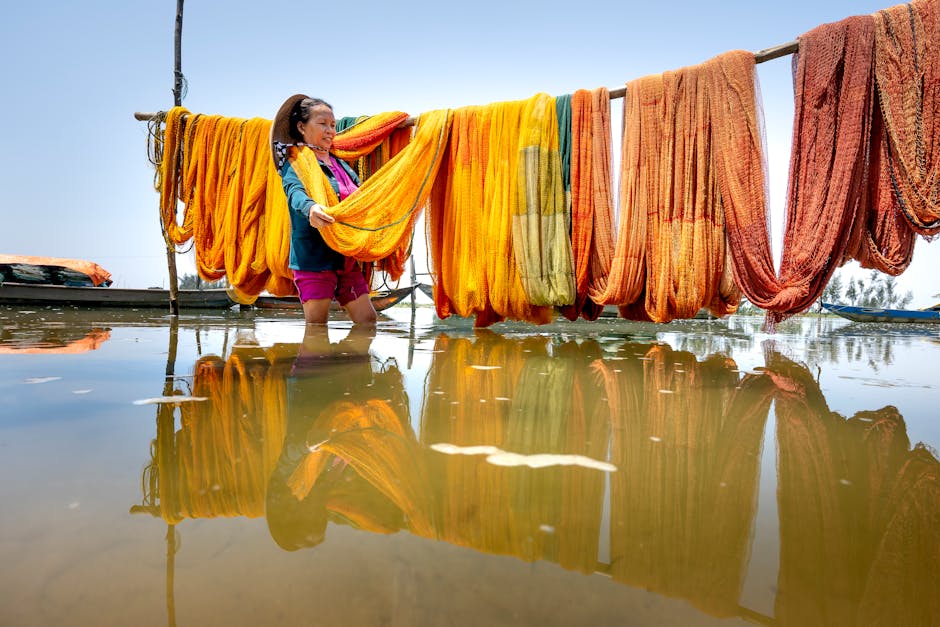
[[75, 180]]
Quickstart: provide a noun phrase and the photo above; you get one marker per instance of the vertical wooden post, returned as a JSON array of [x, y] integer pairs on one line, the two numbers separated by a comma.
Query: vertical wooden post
[[166, 461], [177, 101]]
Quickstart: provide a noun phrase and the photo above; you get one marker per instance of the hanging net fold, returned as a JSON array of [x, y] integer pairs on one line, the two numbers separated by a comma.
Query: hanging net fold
[[234, 209]]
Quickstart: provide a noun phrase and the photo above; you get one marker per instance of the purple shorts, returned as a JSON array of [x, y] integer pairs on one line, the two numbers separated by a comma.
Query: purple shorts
[[344, 285]]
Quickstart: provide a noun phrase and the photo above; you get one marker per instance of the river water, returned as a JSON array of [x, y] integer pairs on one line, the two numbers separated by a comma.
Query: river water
[[239, 468]]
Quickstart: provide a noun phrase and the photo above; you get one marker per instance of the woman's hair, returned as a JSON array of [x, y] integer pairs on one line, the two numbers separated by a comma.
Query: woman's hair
[[301, 113]]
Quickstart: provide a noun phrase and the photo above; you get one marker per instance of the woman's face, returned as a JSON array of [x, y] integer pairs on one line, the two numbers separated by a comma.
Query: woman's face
[[320, 129]]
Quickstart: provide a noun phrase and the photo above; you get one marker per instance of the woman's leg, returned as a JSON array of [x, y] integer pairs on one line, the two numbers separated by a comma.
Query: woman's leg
[[317, 310], [361, 310]]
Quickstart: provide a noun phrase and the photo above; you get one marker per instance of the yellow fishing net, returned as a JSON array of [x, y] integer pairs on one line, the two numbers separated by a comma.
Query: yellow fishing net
[[379, 217], [497, 217], [540, 224], [233, 205]]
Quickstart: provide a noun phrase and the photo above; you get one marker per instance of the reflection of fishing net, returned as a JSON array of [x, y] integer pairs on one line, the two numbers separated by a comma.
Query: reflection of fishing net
[[858, 512], [376, 441], [219, 461], [687, 441], [349, 456], [517, 396]]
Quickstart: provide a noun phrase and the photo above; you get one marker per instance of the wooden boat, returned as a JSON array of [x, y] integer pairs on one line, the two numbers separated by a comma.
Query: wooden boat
[[876, 314], [52, 271], [78, 296], [381, 300]]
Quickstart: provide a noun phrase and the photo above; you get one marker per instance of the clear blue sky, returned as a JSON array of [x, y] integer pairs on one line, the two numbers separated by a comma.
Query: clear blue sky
[[75, 177]]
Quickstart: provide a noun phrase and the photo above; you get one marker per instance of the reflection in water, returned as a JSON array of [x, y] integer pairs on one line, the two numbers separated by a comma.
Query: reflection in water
[[321, 432], [858, 512], [55, 340], [687, 436], [349, 455], [218, 461]]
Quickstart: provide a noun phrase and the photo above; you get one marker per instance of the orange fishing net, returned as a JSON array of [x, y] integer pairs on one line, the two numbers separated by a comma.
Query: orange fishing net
[[907, 72], [833, 91], [367, 134], [740, 170], [623, 281], [591, 199], [671, 249]]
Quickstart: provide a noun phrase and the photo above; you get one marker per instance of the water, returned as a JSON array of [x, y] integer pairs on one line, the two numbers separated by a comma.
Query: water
[[606, 473]]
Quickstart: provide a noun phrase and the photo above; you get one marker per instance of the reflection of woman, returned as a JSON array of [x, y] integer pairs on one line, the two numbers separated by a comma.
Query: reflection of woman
[[349, 454], [301, 137]]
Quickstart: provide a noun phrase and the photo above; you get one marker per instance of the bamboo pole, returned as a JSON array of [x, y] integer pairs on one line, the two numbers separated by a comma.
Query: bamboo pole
[[177, 101], [761, 56]]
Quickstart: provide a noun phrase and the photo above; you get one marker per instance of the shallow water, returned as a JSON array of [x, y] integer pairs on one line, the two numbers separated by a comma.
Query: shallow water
[[238, 469]]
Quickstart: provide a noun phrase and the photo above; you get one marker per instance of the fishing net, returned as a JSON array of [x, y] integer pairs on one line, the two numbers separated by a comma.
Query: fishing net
[[379, 217], [234, 207], [833, 91], [671, 250], [591, 198], [907, 73], [540, 224], [477, 210], [882, 238]]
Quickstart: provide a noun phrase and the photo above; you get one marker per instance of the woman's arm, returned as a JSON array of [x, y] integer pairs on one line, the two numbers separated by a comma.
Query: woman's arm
[[299, 201]]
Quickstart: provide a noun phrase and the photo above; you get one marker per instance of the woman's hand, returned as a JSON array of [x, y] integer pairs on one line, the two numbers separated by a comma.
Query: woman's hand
[[319, 218]]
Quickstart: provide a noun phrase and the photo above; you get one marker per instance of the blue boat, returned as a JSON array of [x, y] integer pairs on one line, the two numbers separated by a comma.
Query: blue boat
[[877, 314]]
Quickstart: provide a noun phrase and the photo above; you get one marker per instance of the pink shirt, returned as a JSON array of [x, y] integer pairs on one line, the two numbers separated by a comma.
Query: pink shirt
[[346, 185]]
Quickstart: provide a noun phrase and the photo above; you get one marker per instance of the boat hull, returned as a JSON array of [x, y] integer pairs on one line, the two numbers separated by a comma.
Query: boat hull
[[875, 314], [380, 300], [103, 297]]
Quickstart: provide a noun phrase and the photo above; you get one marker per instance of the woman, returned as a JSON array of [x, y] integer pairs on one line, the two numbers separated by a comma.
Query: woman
[[320, 273]]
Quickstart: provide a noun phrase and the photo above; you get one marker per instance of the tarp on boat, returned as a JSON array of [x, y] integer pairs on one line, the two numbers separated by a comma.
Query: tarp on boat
[[52, 271]]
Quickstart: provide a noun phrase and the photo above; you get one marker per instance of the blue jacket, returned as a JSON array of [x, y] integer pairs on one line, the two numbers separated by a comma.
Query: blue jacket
[[308, 251]]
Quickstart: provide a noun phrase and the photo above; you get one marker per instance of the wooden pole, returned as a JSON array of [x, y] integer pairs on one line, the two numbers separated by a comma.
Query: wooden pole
[[177, 101], [761, 56]]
